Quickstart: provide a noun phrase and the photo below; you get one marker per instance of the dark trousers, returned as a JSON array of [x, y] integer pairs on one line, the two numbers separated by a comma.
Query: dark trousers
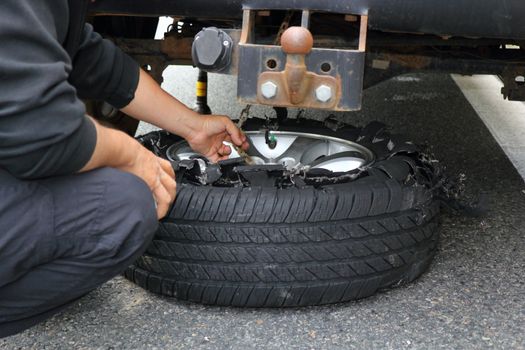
[[62, 237]]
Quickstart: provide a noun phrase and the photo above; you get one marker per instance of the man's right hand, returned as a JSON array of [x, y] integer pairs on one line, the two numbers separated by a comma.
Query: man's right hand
[[158, 174]]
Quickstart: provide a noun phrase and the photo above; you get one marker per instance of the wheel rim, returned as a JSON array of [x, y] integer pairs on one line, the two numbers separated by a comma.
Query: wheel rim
[[295, 150]]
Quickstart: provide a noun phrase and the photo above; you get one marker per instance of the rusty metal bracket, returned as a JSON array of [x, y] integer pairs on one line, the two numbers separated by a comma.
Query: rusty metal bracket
[[297, 74]]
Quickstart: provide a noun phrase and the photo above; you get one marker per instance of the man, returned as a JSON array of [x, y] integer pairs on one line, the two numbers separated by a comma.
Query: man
[[78, 201]]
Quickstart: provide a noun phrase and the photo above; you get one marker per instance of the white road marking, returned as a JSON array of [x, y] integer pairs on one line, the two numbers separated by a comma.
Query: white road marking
[[505, 119]]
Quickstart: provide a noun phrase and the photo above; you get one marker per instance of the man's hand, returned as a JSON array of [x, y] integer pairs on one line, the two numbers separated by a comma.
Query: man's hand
[[211, 132], [117, 150], [158, 174]]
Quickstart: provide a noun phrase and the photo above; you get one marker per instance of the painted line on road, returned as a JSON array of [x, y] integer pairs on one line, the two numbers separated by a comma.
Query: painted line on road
[[504, 119]]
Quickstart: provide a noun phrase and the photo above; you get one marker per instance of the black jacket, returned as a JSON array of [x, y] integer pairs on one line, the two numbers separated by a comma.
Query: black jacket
[[43, 128]]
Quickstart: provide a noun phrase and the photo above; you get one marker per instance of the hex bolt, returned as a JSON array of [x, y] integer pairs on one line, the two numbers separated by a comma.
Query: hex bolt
[[269, 90], [323, 93]]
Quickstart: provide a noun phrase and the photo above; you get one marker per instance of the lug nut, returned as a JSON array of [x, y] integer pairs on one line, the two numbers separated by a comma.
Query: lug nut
[[269, 90], [323, 93]]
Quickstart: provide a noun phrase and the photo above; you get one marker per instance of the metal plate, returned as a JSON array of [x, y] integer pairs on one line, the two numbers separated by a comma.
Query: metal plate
[[347, 67]]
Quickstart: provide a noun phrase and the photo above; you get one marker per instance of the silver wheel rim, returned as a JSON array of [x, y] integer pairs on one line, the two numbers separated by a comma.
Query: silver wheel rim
[[295, 150]]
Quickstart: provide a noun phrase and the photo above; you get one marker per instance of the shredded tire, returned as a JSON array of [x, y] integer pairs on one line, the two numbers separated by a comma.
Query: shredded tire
[[321, 242]]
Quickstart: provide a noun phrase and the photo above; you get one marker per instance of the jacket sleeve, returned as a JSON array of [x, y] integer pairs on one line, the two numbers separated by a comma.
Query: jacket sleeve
[[43, 128], [101, 71]]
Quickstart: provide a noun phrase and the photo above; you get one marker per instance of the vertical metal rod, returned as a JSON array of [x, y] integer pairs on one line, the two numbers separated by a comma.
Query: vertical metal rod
[[248, 18], [201, 92], [305, 19], [363, 33]]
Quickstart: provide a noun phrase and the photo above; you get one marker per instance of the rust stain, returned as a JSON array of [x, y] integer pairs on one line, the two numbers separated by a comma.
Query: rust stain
[[411, 61]]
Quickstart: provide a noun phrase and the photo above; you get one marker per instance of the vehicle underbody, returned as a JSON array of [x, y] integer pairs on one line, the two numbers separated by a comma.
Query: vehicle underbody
[[356, 44]]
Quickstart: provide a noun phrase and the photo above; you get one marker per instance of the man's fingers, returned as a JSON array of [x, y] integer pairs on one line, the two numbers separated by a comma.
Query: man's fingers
[[163, 199], [166, 166], [222, 153], [225, 150], [169, 184], [166, 188], [214, 158], [245, 144], [237, 137]]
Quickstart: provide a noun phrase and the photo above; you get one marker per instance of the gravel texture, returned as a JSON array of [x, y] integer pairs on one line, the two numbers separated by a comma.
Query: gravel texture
[[472, 297]]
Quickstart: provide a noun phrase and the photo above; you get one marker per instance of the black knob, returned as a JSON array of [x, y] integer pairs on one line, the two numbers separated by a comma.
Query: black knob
[[212, 50]]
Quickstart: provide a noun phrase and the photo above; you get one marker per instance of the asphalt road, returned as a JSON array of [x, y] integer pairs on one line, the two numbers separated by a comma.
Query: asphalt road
[[473, 296]]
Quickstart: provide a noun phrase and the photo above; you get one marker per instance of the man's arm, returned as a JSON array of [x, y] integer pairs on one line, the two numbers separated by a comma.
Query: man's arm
[[205, 134], [117, 150], [102, 71]]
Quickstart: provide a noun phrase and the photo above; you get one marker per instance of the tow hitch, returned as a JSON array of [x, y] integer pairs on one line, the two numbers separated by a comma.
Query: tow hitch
[[295, 73]]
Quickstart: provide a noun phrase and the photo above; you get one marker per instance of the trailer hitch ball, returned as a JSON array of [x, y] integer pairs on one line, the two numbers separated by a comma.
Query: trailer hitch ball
[[297, 42]]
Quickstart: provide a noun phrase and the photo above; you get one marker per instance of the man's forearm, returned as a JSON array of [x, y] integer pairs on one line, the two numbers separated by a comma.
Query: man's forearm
[[155, 106], [113, 149], [205, 134]]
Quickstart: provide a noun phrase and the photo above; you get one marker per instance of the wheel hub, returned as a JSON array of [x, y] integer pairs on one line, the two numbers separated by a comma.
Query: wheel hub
[[294, 150]]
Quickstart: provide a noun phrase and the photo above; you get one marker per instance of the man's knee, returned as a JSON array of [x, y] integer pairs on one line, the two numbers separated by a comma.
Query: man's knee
[[127, 193], [129, 210], [102, 230], [105, 218]]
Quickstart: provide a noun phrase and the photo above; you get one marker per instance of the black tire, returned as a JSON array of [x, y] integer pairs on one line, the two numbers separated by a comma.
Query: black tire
[[296, 246]]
